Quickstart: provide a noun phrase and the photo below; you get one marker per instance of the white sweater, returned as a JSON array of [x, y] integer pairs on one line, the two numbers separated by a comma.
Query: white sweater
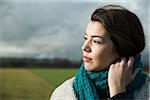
[[65, 91]]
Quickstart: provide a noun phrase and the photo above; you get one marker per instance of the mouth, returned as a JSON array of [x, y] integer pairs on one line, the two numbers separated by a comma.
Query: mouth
[[87, 59]]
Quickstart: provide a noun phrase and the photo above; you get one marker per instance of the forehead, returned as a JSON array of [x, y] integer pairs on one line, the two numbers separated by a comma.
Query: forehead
[[96, 28]]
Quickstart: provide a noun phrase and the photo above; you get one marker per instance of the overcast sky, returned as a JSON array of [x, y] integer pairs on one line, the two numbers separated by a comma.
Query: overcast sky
[[48, 29]]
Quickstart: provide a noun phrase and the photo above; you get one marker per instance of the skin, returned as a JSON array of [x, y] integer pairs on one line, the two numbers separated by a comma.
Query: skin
[[98, 47], [98, 54], [120, 75]]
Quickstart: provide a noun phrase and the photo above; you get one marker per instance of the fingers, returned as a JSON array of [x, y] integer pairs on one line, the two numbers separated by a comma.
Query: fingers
[[130, 62], [118, 61], [117, 77], [130, 67], [122, 70], [123, 62], [135, 73]]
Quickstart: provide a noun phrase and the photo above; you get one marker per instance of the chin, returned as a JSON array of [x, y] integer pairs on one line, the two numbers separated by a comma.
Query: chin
[[91, 68], [88, 67]]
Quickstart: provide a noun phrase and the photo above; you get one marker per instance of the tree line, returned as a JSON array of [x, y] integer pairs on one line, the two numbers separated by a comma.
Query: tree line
[[44, 63], [38, 63]]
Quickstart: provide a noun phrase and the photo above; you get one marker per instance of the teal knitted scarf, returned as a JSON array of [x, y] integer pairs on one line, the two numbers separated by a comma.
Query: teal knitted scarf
[[90, 85]]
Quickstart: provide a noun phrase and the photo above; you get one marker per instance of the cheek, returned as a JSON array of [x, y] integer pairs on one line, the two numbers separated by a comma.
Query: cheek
[[99, 52], [100, 60], [103, 55]]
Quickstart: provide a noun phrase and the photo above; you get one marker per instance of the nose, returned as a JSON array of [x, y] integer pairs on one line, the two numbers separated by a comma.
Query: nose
[[86, 47]]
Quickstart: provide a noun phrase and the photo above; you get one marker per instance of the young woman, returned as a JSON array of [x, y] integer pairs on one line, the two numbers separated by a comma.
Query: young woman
[[111, 67]]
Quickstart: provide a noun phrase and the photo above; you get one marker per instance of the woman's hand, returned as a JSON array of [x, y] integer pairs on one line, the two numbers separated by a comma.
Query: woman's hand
[[120, 75]]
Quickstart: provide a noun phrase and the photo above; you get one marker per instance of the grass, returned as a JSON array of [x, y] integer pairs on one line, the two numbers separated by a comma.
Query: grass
[[31, 84], [55, 76]]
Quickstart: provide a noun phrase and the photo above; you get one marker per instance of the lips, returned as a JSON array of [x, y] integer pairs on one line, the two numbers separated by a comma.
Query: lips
[[87, 59]]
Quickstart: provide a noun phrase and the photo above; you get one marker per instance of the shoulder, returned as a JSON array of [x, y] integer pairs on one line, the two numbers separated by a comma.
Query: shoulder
[[143, 92], [64, 91]]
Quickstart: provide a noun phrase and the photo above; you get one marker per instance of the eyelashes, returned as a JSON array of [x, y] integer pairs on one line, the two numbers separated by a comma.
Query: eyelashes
[[85, 38], [95, 41]]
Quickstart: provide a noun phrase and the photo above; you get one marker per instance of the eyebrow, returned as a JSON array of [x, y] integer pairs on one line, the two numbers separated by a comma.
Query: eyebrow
[[95, 36]]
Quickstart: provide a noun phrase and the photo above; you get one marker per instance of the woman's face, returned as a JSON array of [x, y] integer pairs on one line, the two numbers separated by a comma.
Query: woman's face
[[98, 49]]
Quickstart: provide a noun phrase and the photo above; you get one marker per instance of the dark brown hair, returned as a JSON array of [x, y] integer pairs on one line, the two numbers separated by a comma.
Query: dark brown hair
[[124, 28]]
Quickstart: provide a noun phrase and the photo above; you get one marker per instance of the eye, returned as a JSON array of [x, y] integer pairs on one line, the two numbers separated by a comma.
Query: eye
[[97, 42], [85, 38]]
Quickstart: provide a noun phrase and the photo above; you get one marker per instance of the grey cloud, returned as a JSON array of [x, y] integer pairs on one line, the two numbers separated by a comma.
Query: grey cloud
[[52, 33], [26, 19], [43, 29]]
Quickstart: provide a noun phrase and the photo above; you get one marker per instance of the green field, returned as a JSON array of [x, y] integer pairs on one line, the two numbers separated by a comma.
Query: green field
[[31, 84]]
